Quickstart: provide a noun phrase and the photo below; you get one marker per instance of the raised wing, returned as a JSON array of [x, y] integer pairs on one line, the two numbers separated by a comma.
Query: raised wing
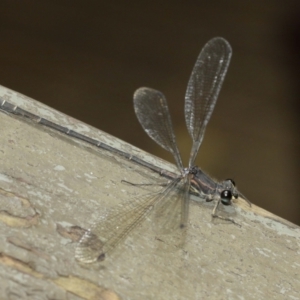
[[152, 112], [203, 89]]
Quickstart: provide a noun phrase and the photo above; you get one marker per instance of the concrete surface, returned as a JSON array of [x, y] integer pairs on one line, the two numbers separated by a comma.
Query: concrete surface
[[52, 188]]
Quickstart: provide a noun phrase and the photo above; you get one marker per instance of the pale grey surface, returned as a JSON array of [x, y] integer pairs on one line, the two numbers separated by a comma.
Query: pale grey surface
[[49, 182]]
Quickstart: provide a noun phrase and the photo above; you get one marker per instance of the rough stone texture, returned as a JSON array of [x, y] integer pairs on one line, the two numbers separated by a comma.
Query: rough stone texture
[[52, 188]]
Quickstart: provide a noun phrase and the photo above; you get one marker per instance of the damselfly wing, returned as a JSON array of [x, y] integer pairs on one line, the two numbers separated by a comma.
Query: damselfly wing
[[172, 202]]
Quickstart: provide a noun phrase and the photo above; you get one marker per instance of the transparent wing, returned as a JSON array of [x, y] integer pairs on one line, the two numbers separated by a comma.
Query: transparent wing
[[172, 213], [152, 112], [117, 224], [171, 218], [204, 87]]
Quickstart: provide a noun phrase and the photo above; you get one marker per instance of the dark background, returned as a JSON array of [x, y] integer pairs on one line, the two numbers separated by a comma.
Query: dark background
[[86, 58]]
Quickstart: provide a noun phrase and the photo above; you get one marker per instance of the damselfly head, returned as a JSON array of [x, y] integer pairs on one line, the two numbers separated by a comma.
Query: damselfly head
[[228, 190], [226, 197]]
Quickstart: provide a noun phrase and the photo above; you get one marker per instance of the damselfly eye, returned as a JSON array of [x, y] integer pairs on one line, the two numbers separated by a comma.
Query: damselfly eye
[[231, 180], [226, 197]]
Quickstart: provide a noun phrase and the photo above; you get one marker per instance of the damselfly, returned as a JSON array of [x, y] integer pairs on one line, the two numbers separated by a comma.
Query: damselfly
[[173, 201]]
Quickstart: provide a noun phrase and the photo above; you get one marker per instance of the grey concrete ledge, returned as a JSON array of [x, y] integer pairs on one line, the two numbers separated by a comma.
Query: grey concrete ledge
[[53, 187]]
